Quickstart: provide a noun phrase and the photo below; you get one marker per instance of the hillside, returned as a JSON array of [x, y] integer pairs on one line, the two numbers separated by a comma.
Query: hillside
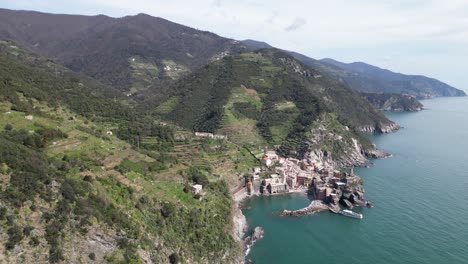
[[99, 159], [266, 97], [366, 78], [139, 55], [393, 102], [85, 179], [131, 53]]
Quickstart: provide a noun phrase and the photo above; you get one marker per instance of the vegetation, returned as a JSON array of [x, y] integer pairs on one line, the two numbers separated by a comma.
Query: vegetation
[[393, 102], [279, 99], [86, 180], [16, 78], [85, 160]]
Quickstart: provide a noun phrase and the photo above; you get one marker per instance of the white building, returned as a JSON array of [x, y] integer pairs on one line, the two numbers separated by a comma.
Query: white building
[[197, 188]]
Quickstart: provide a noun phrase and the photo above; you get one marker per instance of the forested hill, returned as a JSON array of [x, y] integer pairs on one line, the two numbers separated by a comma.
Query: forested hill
[[86, 179], [67, 90], [268, 93], [131, 53], [366, 78]]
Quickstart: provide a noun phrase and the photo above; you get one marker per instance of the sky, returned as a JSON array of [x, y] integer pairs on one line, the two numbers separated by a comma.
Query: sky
[[426, 37]]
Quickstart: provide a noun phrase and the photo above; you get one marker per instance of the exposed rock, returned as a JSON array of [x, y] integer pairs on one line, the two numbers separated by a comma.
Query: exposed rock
[[388, 128], [239, 224], [377, 154], [256, 235], [393, 102], [334, 208], [359, 202], [347, 203]]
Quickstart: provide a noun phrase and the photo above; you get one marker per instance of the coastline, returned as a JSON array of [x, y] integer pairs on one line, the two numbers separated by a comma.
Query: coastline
[[240, 223], [327, 203]]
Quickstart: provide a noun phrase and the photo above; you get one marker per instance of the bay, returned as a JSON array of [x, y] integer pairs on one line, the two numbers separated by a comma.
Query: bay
[[420, 196]]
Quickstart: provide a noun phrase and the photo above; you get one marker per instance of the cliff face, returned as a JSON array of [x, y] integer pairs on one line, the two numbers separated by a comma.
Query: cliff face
[[335, 144], [387, 128], [394, 102]]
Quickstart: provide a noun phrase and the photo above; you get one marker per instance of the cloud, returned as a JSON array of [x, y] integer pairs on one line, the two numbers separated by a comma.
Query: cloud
[[297, 24], [218, 3], [271, 19]]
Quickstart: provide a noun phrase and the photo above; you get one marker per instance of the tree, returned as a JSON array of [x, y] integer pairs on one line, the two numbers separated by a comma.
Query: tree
[[8, 127]]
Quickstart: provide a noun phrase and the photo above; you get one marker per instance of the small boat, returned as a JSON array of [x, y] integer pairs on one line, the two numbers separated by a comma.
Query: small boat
[[351, 214]]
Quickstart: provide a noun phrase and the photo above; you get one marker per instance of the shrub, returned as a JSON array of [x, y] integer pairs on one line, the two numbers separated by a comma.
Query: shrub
[[27, 230], [88, 178], [174, 258], [34, 241], [167, 209], [3, 213], [15, 235]]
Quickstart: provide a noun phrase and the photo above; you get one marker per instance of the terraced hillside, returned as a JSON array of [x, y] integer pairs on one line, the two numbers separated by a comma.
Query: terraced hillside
[[266, 97], [105, 186]]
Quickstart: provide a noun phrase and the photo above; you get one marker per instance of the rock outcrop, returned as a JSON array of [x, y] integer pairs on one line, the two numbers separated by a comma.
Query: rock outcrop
[[393, 102], [377, 154], [387, 128], [256, 235], [239, 224]]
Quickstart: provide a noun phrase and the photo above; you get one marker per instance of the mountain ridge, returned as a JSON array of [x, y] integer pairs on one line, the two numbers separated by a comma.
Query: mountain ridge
[[390, 82], [105, 47], [367, 78]]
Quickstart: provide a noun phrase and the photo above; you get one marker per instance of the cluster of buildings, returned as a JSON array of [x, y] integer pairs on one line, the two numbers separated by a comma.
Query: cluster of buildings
[[283, 175]]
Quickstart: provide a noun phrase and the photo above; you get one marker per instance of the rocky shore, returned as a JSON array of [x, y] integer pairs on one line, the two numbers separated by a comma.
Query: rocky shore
[[377, 154], [394, 102], [316, 174], [388, 128], [256, 235]]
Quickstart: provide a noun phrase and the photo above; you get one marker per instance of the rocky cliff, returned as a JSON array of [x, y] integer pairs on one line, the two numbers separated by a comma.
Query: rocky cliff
[[387, 128], [335, 144], [394, 102]]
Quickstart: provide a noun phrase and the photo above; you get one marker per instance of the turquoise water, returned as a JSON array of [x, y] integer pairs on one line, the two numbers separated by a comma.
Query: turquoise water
[[420, 196]]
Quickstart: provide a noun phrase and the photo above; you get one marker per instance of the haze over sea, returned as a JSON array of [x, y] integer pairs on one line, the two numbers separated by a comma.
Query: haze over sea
[[420, 196]]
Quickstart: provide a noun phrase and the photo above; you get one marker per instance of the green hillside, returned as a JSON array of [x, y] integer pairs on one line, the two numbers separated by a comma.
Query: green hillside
[[68, 181], [265, 97]]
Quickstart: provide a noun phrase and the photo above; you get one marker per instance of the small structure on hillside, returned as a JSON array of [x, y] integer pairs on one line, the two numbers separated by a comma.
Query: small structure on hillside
[[109, 133], [29, 117], [210, 135], [197, 188], [256, 170], [267, 161]]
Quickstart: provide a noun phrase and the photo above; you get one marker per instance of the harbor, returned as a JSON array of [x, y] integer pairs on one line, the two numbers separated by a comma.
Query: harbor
[[328, 188], [413, 217]]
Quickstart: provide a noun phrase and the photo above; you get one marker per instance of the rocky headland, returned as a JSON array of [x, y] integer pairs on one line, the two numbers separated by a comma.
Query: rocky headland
[[394, 102]]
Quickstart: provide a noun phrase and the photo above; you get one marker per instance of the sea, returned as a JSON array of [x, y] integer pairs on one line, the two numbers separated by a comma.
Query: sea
[[420, 196]]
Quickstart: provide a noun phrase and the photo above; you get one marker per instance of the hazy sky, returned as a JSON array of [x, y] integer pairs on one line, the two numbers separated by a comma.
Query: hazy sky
[[428, 37]]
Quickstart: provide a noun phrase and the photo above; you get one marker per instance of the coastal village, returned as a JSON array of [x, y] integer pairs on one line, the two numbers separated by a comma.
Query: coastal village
[[328, 187]]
